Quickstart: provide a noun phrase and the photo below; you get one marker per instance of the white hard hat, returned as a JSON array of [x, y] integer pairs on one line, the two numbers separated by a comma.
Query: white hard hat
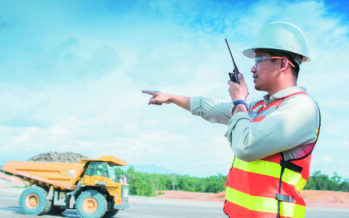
[[283, 37]]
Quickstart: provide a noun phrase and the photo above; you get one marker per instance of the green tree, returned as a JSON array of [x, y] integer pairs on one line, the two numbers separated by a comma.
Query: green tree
[[319, 181]]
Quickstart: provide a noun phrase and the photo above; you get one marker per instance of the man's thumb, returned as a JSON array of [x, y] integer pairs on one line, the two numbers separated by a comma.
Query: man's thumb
[[241, 77]]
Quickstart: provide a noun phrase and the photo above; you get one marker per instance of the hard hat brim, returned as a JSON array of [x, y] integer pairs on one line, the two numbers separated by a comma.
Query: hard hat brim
[[251, 53]]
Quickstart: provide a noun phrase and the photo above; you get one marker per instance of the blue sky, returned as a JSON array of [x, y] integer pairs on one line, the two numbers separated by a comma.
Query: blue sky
[[72, 74]]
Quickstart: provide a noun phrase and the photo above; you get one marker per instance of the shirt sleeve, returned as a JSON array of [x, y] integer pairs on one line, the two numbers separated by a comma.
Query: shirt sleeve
[[212, 110], [294, 123]]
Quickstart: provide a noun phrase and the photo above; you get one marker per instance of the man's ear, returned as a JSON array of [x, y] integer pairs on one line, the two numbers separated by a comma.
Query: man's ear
[[283, 64]]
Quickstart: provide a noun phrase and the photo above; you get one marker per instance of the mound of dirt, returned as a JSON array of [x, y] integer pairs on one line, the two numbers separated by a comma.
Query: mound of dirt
[[192, 195], [58, 157], [331, 199]]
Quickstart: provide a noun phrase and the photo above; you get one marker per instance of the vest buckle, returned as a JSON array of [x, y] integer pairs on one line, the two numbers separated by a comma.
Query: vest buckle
[[291, 166], [286, 198]]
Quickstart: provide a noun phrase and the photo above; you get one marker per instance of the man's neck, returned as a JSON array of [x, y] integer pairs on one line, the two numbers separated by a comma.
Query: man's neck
[[281, 85], [280, 94], [272, 92]]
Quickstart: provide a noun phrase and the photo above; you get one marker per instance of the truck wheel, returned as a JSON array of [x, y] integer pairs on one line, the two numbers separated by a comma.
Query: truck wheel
[[91, 204], [111, 213], [33, 201]]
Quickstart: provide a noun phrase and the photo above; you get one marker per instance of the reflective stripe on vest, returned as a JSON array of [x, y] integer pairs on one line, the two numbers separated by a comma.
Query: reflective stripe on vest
[[263, 204], [254, 189], [268, 168]]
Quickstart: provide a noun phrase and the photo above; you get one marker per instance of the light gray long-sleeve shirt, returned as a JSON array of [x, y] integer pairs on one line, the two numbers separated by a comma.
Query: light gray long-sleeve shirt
[[290, 129]]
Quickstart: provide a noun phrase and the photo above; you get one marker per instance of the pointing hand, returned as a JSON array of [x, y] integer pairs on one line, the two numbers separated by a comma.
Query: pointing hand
[[158, 98]]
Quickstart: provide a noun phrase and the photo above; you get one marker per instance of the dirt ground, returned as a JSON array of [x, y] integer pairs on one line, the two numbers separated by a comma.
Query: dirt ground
[[312, 198], [330, 199]]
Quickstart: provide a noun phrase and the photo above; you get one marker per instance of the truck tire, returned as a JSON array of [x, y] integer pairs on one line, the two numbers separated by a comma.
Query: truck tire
[[111, 213], [33, 201], [91, 204]]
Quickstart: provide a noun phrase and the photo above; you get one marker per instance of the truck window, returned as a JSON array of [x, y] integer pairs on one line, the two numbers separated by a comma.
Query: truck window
[[98, 169], [101, 169], [111, 172], [91, 169]]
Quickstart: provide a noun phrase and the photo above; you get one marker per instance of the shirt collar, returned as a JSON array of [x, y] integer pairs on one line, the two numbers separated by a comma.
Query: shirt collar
[[283, 93]]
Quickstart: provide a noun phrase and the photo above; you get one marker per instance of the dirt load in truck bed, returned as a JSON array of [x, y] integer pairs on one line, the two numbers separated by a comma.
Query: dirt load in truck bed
[[58, 157]]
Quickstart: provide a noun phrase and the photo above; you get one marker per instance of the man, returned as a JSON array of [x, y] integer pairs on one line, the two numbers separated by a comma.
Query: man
[[273, 138]]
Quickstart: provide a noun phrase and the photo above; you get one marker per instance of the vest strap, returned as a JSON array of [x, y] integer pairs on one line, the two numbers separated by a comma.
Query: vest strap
[[285, 198], [291, 166]]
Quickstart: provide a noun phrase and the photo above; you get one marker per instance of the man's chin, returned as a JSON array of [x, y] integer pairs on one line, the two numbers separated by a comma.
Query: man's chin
[[257, 87]]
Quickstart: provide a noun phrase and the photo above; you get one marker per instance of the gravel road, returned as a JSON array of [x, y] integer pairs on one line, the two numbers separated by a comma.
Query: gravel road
[[146, 207]]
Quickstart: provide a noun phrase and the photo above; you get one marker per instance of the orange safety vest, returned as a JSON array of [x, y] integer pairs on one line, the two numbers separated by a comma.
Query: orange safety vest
[[269, 187]]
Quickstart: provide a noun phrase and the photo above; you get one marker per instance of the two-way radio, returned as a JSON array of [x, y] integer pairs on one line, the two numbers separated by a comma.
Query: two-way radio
[[233, 76]]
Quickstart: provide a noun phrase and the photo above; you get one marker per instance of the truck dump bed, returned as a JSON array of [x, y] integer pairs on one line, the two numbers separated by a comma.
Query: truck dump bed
[[62, 175]]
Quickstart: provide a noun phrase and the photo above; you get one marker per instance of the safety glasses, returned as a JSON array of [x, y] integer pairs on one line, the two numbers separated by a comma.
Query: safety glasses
[[258, 60]]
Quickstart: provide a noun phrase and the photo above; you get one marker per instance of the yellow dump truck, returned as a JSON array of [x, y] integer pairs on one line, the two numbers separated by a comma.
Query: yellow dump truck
[[91, 186]]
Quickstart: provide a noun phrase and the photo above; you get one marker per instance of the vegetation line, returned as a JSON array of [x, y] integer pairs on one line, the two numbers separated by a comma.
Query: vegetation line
[[147, 184]]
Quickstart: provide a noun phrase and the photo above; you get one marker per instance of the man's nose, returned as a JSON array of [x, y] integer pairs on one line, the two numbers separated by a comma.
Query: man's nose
[[253, 69]]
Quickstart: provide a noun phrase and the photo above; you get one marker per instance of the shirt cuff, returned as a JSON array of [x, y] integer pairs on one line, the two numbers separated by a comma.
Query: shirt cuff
[[195, 103]]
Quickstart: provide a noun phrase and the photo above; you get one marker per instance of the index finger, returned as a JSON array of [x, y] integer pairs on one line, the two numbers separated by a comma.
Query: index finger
[[149, 92], [241, 77]]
